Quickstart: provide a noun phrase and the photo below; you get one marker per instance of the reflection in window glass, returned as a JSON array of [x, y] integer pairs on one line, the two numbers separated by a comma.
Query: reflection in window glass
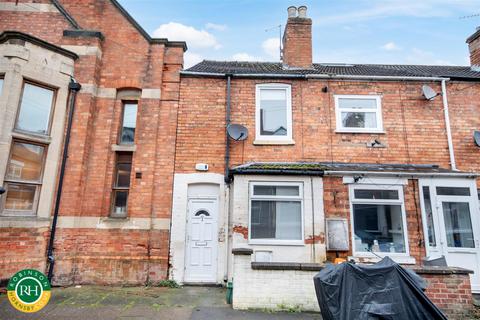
[[26, 162], [378, 228], [429, 215], [280, 220], [1, 86], [129, 123], [273, 112], [458, 225], [275, 190], [121, 184], [453, 191], [20, 198], [376, 194], [35, 108]]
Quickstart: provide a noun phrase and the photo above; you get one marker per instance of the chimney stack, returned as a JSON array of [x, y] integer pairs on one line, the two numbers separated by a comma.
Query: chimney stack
[[474, 48], [297, 39]]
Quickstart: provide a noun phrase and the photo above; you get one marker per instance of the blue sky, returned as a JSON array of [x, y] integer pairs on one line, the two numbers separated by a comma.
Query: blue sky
[[344, 31]]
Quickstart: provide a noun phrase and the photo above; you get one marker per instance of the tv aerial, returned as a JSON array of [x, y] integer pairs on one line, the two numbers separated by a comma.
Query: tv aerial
[[237, 132]]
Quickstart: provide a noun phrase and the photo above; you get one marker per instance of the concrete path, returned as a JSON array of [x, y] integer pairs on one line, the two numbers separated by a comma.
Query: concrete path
[[94, 302]]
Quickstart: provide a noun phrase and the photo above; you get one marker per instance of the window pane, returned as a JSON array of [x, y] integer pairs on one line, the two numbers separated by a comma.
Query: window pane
[[273, 112], [359, 120], [458, 225], [429, 215], [275, 190], [20, 197], [280, 220], [376, 194], [1, 86], [123, 175], [35, 109], [26, 162], [378, 228], [357, 103], [453, 191], [129, 123], [120, 203]]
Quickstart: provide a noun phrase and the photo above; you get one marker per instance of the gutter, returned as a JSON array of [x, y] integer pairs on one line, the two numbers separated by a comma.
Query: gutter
[[404, 174], [311, 76], [74, 88], [447, 126]]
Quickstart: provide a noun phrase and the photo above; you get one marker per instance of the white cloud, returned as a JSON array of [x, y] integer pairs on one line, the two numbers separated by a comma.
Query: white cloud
[[271, 47], [243, 56], [191, 59], [390, 46], [402, 8], [216, 27], [195, 38], [419, 56]]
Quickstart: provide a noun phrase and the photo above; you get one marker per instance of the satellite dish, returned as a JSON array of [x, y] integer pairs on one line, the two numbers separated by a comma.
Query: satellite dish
[[428, 92], [476, 137], [237, 132]]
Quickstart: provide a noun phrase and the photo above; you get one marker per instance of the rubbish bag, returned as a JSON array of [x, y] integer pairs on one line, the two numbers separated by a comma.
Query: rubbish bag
[[384, 290]]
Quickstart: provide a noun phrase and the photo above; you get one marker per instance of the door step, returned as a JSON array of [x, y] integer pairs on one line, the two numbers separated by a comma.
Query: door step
[[202, 284]]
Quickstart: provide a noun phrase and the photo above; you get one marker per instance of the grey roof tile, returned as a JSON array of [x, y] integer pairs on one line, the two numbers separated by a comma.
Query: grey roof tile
[[241, 67]]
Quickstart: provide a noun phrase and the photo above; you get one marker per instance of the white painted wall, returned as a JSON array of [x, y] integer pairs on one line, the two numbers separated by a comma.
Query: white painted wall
[[272, 289], [192, 184], [313, 218]]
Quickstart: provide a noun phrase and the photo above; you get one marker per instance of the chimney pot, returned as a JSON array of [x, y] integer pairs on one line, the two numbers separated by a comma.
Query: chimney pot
[[302, 11], [292, 11]]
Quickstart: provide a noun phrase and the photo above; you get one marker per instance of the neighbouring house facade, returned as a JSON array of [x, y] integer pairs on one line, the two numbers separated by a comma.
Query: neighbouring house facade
[[114, 215], [341, 161], [330, 161]]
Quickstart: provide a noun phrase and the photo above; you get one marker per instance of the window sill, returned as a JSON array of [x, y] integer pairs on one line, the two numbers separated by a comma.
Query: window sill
[[124, 147], [360, 131], [31, 137], [401, 259], [277, 242], [286, 142], [10, 221]]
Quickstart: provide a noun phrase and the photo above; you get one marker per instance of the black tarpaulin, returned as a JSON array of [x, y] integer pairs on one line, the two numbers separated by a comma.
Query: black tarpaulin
[[384, 290]]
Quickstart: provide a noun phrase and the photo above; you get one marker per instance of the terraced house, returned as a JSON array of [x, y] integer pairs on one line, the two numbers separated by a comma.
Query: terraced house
[[253, 173]]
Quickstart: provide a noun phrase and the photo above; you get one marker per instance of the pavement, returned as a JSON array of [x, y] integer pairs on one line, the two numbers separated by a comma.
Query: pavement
[[98, 302]]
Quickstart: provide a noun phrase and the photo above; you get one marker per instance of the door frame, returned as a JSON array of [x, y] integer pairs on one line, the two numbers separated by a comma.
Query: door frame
[[438, 220], [186, 275]]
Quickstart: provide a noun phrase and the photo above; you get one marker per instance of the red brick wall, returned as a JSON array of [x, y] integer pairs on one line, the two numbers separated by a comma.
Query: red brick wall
[[127, 60], [414, 128], [451, 293]]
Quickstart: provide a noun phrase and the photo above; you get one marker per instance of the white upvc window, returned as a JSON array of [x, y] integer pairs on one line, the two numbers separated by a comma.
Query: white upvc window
[[276, 213], [378, 221], [273, 112], [358, 113]]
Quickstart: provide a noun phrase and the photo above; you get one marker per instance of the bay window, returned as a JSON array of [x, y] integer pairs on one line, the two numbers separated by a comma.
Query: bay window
[[276, 214], [378, 218]]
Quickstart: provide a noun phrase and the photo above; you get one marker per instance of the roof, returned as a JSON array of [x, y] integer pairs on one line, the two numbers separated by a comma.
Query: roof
[[8, 35], [319, 168], [332, 69]]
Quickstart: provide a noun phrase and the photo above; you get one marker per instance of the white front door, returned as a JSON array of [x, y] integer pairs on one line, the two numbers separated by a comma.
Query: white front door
[[201, 254], [452, 224]]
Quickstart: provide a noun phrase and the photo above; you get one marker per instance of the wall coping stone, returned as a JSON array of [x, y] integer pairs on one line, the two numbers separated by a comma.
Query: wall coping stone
[[287, 266], [242, 252], [439, 270]]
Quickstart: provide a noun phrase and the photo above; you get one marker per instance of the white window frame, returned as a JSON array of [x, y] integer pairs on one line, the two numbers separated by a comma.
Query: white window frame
[[400, 201], [377, 110], [275, 198], [288, 94]]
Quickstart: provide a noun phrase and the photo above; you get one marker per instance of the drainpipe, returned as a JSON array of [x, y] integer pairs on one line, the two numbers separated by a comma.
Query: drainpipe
[[73, 87], [447, 126], [227, 140]]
